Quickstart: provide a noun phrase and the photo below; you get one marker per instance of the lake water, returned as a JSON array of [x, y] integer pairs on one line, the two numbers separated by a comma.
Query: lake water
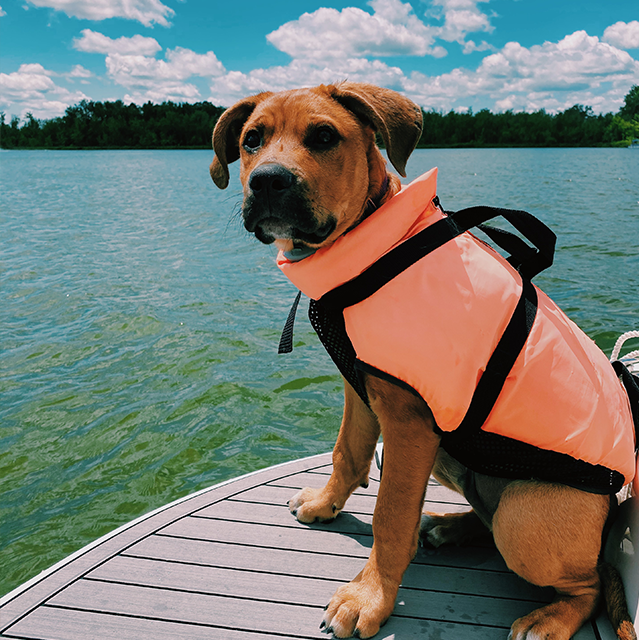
[[140, 322]]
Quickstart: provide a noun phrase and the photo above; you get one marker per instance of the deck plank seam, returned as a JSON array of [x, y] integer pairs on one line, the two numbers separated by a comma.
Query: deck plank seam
[[417, 561], [318, 608], [215, 566], [182, 622], [361, 495], [456, 592], [294, 526], [191, 592], [275, 504], [258, 546]]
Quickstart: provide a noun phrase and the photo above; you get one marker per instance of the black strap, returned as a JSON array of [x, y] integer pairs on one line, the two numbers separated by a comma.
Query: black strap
[[631, 383], [529, 260], [502, 360], [532, 260], [286, 341]]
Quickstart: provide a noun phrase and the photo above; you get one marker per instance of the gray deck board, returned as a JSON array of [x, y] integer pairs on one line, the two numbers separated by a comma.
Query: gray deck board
[[232, 563]]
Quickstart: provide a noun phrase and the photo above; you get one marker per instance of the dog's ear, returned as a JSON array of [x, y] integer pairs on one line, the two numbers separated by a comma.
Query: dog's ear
[[396, 118], [226, 137]]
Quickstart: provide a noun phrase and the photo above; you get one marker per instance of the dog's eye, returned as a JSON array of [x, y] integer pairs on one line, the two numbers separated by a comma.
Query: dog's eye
[[322, 138], [252, 140]]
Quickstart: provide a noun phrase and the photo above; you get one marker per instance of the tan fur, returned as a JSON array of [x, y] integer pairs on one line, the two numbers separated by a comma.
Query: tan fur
[[549, 534]]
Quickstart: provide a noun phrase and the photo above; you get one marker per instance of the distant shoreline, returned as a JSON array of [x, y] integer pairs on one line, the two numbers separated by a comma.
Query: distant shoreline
[[621, 145], [114, 125]]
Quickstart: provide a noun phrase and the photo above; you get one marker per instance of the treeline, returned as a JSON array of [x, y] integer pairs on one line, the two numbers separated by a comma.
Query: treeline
[[114, 125], [574, 127]]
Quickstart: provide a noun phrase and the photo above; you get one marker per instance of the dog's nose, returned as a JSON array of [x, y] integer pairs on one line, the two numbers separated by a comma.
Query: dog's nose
[[271, 178]]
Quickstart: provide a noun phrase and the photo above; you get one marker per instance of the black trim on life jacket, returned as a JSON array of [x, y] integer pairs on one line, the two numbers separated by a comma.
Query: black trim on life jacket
[[500, 456], [631, 384]]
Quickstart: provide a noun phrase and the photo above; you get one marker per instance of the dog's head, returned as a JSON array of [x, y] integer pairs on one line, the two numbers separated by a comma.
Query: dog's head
[[309, 162]]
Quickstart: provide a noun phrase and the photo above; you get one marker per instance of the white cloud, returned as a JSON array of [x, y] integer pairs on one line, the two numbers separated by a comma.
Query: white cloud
[[2, 13], [165, 91], [31, 89], [460, 18], [229, 88], [94, 42], [79, 72], [624, 35], [553, 76], [180, 64], [471, 45], [145, 11], [327, 34], [131, 63], [158, 80]]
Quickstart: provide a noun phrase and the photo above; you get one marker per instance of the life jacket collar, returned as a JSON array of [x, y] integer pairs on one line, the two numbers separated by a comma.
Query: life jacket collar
[[363, 245]]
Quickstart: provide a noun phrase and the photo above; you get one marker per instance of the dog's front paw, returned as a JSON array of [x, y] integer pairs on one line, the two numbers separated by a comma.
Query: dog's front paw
[[309, 505], [360, 608]]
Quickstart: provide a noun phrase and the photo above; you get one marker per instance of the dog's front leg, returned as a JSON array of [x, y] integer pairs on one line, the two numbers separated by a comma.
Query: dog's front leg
[[410, 446], [352, 457]]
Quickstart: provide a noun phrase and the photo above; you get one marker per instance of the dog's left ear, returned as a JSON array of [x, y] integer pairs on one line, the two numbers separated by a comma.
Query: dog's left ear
[[396, 118], [226, 137]]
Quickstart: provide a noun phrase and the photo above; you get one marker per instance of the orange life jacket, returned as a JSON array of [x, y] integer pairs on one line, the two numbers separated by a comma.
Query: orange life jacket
[[434, 327]]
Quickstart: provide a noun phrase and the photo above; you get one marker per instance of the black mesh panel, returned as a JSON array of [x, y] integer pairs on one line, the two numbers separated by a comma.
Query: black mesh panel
[[496, 455], [330, 328]]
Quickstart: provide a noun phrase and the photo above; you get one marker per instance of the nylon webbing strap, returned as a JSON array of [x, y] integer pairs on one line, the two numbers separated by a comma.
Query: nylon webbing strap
[[286, 340], [532, 260], [502, 360], [631, 383], [528, 260]]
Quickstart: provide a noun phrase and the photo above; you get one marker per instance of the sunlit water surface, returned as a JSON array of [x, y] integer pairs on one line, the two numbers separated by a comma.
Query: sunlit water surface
[[139, 324]]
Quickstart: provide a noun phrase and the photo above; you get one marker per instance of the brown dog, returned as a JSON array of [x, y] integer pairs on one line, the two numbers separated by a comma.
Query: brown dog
[[309, 168]]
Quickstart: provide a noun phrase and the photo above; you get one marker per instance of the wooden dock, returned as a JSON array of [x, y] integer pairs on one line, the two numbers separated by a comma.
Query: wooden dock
[[232, 563]]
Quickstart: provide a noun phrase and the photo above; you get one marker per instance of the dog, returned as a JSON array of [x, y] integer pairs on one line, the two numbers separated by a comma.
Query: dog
[[311, 173]]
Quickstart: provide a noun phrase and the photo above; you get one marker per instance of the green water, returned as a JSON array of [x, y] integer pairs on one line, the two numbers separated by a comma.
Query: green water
[[139, 325]]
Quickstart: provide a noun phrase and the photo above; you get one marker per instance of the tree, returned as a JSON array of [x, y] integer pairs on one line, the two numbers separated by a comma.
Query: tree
[[630, 109]]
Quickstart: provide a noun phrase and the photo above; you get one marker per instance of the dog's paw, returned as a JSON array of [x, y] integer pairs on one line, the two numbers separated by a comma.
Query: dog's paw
[[452, 529], [359, 608], [309, 505], [437, 530], [431, 533], [536, 626]]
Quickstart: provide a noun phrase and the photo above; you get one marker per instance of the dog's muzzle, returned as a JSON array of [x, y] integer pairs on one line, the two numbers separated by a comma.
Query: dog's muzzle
[[275, 207]]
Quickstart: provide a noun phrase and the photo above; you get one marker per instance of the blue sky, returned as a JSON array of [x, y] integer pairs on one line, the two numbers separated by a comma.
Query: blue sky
[[444, 54]]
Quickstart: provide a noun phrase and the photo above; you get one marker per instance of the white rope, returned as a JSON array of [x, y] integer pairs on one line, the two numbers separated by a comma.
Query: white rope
[[620, 340]]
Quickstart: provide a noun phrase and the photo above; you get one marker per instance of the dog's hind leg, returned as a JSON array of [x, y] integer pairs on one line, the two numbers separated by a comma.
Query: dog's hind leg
[[352, 458], [483, 494], [550, 535]]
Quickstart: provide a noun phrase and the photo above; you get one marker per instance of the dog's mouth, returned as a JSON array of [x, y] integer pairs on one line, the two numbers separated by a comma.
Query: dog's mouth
[[270, 229]]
